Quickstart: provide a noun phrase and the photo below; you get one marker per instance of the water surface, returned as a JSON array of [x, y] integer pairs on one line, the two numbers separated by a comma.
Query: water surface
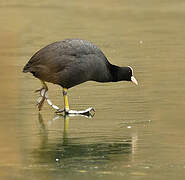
[[137, 131]]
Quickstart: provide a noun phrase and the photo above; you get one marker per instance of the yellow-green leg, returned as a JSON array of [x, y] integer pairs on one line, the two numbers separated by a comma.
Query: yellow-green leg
[[88, 112], [66, 102]]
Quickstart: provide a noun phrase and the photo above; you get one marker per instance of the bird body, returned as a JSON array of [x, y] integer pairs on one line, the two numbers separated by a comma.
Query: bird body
[[73, 61], [69, 63]]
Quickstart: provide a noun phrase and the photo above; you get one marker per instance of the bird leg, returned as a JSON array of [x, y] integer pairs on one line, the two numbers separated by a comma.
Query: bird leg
[[87, 112], [66, 102], [44, 96]]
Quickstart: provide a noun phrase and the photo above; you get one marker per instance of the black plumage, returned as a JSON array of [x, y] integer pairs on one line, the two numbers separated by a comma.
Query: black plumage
[[74, 61]]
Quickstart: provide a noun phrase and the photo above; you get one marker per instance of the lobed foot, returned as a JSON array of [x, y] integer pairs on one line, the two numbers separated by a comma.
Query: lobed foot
[[41, 99], [88, 112]]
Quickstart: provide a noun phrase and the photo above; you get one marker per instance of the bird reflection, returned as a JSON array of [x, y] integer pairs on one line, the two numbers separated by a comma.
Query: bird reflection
[[65, 132], [67, 153]]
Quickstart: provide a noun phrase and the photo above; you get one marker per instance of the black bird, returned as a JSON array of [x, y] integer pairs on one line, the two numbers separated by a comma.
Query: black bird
[[71, 62]]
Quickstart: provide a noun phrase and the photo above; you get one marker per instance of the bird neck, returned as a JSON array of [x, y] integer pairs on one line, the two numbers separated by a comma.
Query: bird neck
[[119, 73]]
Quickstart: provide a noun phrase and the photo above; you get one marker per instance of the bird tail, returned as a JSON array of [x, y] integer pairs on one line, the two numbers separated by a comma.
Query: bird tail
[[26, 69]]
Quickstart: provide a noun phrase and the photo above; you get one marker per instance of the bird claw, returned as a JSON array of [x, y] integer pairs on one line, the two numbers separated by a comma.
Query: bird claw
[[42, 97]]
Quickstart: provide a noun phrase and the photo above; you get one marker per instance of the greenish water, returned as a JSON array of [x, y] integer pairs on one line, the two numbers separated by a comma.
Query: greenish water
[[137, 131]]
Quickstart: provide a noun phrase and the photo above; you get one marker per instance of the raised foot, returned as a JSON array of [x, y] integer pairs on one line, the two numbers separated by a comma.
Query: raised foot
[[41, 99], [44, 96], [88, 112]]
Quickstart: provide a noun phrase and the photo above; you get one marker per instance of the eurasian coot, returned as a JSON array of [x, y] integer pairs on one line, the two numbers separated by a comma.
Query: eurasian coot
[[71, 62]]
